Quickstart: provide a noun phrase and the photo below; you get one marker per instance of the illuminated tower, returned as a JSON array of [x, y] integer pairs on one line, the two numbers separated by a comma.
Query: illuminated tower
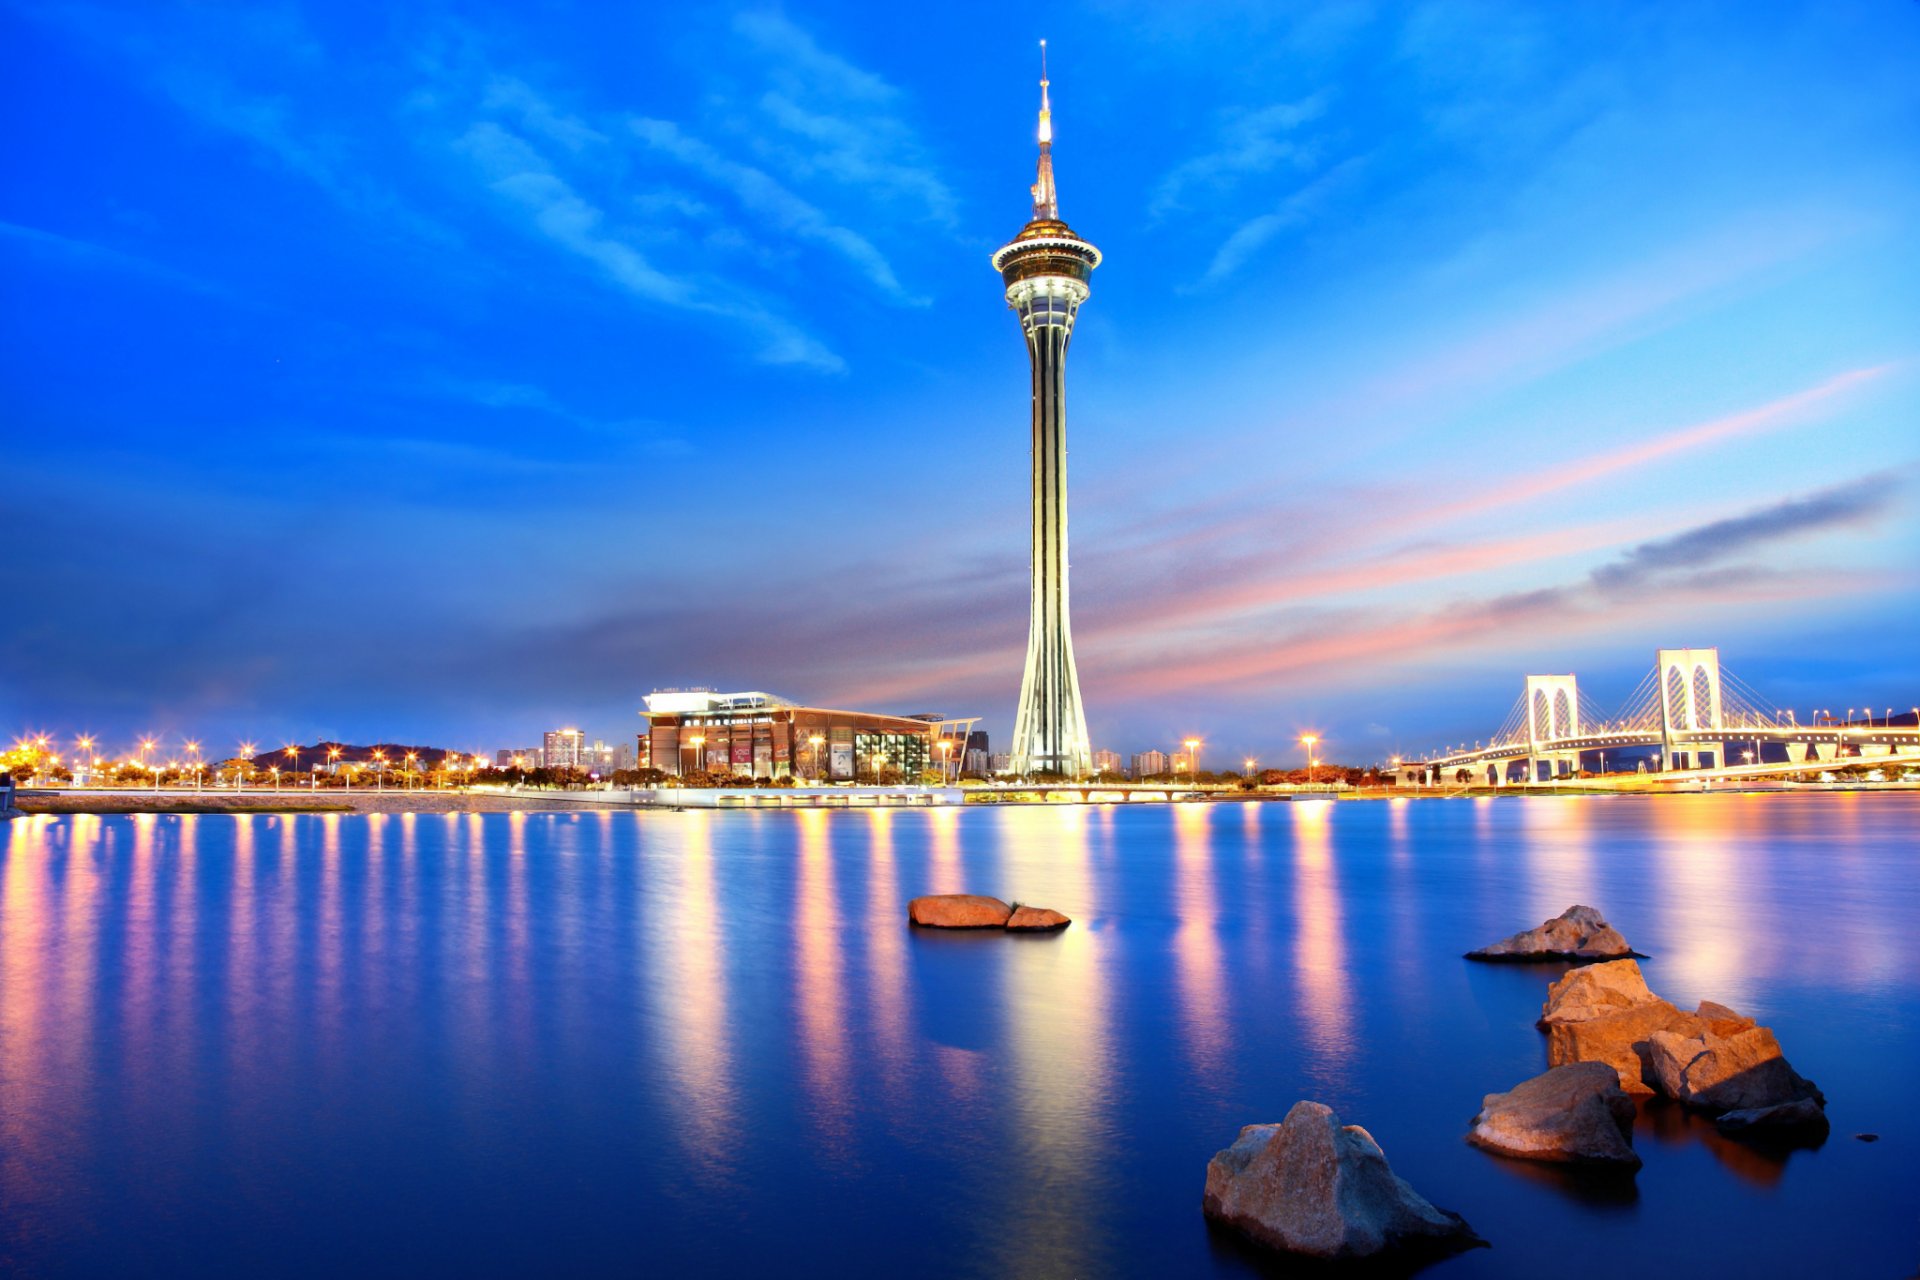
[[1046, 268]]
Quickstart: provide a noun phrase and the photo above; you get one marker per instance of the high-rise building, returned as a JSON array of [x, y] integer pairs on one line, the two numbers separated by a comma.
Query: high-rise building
[[564, 749], [1107, 763], [1149, 764], [1045, 270]]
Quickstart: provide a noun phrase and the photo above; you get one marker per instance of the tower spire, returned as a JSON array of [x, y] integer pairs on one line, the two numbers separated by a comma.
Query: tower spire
[[1046, 202]]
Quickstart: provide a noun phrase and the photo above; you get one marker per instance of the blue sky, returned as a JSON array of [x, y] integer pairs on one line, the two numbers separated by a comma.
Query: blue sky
[[454, 373]]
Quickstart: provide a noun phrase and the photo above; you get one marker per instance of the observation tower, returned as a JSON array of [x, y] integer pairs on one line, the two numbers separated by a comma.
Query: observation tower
[[1046, 268]]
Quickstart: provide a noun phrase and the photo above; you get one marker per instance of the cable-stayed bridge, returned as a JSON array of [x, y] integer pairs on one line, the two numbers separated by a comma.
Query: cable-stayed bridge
[[1696, 716]]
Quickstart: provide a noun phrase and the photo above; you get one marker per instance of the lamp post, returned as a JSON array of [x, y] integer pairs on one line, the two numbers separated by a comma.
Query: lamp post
[[1193, 758], [333, 762], [379, 770], [246, 756], [412, 768], [699, 741], [946, 758], [1309, 739], [146, 745], [293, 757], [193, 751], [814, 741]]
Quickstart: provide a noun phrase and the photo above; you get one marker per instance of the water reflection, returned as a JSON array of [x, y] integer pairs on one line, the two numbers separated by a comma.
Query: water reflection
[[1203, 1010], [820, 982], [686, 980], [1319, 958], [1054, 991]]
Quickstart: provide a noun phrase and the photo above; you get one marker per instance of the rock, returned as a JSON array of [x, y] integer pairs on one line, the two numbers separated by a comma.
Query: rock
[[958, 911], [1572, 1114], [1866, 1137], [1605, 1013], [1312, 1186], [1803, 1118], [1578, 933], [1596, 990], [1726, 1069], [1035, 919]]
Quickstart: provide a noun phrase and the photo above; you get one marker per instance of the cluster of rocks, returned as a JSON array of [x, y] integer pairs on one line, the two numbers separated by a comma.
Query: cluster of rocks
[[1711, 1059], [973, 911], [1578, 933], [1314, 1187]]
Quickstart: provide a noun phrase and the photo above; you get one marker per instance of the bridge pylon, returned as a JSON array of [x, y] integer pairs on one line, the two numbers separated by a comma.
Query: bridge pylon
[[1553, 714], [1690, 700]]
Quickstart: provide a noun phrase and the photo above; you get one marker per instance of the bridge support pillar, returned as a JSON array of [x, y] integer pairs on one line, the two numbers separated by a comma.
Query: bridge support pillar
[[1876, 749], [1825, 750], [1796, 752]]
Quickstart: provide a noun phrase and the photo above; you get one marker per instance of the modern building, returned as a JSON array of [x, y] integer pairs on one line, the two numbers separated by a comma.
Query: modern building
[[517, 757], [1107, 763], [764, 736], [1045, 270], [1150, 764], [564, 749]]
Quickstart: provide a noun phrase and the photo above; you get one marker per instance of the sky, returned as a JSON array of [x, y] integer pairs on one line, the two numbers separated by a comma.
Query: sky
[[450, 373]]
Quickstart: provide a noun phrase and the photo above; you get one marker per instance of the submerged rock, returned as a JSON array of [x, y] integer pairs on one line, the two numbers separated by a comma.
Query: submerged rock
[[1578, 933], [1730, 1069], [1036, 919], [1572, 1114], [1312, 1186], [1800, 1120], [958, 911]]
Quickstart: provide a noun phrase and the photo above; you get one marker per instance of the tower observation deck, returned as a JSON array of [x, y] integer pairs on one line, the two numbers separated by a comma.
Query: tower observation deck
[[1045, 269]]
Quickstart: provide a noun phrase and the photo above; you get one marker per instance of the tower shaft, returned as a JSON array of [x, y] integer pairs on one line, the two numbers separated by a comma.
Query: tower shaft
[[1050, 727]]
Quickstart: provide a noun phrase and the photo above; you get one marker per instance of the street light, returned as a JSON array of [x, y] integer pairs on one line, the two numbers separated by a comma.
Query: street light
[[814, 742], [946, 758], [412, 767], [699, 741], [333, 761], [1193, 756], [379, 770], [246, 755], [1309, 739]]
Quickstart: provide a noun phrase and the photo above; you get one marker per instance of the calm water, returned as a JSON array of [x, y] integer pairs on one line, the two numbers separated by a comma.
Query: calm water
[[668, 1043]]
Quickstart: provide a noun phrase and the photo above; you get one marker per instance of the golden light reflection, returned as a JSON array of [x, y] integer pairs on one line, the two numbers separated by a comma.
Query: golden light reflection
[[1196, 944], [1058, 1021], [1556, 856], [887, 963], [1320, 959], [945, 872], [689, 999], [820, 983]]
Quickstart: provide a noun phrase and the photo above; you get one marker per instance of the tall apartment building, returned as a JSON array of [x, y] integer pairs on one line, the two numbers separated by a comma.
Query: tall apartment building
[[564, 749], [1107, 763]]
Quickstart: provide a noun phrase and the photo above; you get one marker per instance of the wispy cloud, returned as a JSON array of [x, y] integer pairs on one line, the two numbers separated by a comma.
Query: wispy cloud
[[1248, 144], [766, 198], [99, 257], [1863, 500], [1300, 207], [843, 123], [515, 170]]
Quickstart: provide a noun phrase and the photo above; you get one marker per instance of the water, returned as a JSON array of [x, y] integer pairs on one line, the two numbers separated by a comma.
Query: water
[[707, 1043]]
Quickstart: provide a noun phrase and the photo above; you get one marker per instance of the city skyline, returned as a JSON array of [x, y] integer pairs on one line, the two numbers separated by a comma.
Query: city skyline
[[1530, 342]]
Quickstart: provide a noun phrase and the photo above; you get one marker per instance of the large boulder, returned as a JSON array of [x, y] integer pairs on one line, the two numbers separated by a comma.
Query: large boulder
[[1313, 1186], [959, 911], [1578, 933], [1724, 1068], [1595, 991], [1572, 1114], [1036, 919]]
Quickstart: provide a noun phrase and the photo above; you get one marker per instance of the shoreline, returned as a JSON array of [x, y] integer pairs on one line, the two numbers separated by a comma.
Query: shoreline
[[63, 801]]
